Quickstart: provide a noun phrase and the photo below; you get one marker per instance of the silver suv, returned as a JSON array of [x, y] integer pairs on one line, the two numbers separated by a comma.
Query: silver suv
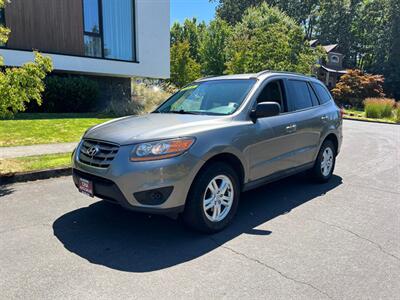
[[210, 141]]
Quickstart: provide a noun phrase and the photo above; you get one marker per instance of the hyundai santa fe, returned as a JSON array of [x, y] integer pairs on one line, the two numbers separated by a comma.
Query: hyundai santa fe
[[210, 141]]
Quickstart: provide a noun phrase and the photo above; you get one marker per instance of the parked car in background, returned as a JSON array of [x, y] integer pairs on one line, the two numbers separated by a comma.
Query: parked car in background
[[210, 141]]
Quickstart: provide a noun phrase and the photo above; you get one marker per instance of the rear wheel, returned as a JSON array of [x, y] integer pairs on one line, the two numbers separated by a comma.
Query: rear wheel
[[325, 162], [213, 199]]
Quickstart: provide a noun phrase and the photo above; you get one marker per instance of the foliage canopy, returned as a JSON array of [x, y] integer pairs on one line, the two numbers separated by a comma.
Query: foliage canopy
[[184, 68], [267, 38]]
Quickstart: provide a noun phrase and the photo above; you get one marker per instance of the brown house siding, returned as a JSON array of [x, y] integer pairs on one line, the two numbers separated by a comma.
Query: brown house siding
[[46, 25]]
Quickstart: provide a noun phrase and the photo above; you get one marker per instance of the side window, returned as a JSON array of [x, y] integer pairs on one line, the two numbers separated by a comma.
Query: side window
[[273, 92], [300, 97], [322, 93], [313, 96]]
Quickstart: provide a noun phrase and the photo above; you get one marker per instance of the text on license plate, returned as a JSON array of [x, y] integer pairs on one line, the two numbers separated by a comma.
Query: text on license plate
[[85, 186]]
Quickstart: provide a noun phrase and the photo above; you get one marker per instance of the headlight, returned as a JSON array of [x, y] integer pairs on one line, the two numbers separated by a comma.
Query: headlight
[[161, 149]]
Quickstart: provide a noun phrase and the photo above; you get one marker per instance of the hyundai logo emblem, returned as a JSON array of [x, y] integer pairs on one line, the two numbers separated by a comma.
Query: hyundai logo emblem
[[92, 151]]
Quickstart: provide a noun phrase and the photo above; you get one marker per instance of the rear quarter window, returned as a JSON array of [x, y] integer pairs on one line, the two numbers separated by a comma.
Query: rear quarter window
[[322, 93]]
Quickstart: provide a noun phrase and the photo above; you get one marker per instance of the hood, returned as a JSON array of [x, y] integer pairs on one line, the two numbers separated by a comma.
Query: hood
[[132, 129]]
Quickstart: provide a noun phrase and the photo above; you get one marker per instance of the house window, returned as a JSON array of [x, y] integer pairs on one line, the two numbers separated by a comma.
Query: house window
[[118, 29], [109, 29], [335, 59], [92, 46]]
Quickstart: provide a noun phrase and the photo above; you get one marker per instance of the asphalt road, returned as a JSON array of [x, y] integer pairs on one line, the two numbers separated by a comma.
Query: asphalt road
[[290, 239]]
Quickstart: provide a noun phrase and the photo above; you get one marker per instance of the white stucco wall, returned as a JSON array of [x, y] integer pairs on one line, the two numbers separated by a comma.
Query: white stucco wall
[[152, 46]]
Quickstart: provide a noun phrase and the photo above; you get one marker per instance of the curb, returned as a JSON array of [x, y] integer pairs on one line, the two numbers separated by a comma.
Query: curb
[[369, 121], [36, 175]]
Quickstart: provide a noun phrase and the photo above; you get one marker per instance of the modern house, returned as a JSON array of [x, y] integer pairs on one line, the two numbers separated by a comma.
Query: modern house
[[330, 70], [107, 40]]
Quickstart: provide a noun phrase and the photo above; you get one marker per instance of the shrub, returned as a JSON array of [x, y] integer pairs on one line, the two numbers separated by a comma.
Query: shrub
[[144, 99], [65, 94], [397, 113], [355, 86], [377, 108]]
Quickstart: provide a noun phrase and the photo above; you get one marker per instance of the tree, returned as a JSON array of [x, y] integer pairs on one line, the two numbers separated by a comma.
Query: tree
[[336, 26], [212, 50], [304, 12], [19, 86], [184, 69], [176, 33], [355, 86], [370, 29], [232, 10], [190, 31], [392, 66], [267, 38]]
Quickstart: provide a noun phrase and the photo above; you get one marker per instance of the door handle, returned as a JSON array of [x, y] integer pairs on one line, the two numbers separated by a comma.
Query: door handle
[[324, 118], [291, 128]]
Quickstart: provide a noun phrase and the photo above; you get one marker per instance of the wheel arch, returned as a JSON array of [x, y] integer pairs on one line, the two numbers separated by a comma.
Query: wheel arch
[[334, 139], [229, 158]]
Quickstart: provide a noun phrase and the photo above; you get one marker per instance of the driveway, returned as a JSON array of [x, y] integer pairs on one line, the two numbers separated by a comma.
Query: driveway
[[290, 239]]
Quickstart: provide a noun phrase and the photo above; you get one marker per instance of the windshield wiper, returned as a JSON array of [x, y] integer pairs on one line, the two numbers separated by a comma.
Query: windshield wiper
[[183, 112]]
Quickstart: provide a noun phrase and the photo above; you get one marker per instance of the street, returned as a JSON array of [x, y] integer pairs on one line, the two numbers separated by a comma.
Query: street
[[290, 239]]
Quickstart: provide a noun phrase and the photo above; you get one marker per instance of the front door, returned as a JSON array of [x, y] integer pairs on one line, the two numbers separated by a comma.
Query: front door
[[275, 137], [276, 146]]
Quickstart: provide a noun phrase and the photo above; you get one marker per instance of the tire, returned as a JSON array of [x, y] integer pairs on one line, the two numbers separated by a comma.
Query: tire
[[199, 210], [325, 162]]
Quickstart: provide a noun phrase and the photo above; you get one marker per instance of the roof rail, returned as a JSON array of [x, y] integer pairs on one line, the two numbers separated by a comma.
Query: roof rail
[[281, 72], [262, 72], [205, 77]]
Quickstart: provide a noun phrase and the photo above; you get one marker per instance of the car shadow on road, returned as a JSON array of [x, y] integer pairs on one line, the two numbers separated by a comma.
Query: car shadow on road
[[5, 190], [107, 235]]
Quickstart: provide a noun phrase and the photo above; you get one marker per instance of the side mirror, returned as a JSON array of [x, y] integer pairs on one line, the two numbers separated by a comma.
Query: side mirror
[[265, 109]]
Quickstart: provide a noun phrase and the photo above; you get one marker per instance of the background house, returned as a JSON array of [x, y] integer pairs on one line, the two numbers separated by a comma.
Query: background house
[[330, 70], [109, 41]]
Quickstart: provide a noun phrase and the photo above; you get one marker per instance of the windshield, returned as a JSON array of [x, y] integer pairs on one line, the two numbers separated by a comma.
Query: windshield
[[214, 97]]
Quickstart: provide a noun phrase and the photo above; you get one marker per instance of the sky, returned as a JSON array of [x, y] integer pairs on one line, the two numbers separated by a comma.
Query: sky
[[201, 9]]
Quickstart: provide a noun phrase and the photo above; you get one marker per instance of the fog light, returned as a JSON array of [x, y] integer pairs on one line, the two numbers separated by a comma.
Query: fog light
[[154, 197]]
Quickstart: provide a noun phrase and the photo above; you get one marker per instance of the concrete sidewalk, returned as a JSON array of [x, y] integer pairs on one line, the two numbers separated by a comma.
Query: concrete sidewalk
[[20, 151]]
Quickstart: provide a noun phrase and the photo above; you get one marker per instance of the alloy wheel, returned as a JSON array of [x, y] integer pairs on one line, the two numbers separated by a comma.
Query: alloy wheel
[[327, 161], [218, 198]]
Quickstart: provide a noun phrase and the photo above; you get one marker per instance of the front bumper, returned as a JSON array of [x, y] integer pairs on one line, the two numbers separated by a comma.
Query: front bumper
[[128, 183]]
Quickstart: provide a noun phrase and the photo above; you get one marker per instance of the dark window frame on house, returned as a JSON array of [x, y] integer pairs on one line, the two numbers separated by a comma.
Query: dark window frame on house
[[100, 34], [86, 34]]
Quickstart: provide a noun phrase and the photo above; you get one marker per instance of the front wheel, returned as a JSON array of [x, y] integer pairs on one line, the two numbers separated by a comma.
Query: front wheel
[[325, 162], [213, 198]]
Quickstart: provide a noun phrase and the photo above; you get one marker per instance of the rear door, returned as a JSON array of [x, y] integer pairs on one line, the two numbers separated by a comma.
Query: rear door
[[304, 106]]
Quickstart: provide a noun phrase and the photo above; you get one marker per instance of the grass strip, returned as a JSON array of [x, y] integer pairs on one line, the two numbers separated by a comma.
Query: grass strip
[[34, 163]]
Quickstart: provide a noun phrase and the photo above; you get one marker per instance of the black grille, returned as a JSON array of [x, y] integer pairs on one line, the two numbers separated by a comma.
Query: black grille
[[102, 158]]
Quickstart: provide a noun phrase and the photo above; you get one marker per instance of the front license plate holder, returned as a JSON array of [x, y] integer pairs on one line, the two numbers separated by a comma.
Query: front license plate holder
[[85, 186]]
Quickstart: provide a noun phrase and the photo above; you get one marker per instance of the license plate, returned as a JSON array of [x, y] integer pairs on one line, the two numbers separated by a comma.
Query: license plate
[[86, 187]]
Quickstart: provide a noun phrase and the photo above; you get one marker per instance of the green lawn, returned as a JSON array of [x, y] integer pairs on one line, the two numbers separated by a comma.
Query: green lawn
[[34, 163], [30, 129]]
